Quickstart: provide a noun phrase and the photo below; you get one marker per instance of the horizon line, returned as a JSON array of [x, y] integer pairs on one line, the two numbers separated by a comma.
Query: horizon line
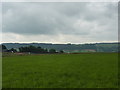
[[61, 43]]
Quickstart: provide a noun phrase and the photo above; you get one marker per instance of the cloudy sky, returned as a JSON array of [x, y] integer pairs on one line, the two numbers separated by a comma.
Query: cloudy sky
[[59, 22]]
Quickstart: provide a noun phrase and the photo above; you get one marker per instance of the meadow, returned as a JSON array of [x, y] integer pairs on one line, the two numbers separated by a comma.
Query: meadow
[[90, 70]]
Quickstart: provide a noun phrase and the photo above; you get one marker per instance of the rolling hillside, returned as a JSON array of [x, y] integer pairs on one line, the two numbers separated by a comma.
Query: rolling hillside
[[96, 47]]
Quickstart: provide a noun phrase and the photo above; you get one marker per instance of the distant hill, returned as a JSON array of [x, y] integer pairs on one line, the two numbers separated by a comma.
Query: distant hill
[[96, 47]]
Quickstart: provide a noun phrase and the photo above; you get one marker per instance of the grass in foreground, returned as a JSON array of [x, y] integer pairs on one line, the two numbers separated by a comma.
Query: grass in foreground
[[97, 70]]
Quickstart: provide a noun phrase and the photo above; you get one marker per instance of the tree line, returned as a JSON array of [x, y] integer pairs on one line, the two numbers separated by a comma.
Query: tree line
[[31, 49]]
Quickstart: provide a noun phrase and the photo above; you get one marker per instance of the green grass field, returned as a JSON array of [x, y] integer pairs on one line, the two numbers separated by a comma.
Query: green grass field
[[95, 70]]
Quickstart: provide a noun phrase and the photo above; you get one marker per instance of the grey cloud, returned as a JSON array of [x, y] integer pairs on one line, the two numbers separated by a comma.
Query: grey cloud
[[61, 18], [40, 19]]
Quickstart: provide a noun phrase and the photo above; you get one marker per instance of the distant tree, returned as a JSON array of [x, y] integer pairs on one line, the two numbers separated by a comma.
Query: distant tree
[[39, 47], [33, 49], [46, 50], [4, 47], [13, 50], [61, 51], [52, 51]]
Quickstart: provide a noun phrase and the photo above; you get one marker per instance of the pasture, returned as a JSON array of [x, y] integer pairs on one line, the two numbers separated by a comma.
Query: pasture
[[90, 70]]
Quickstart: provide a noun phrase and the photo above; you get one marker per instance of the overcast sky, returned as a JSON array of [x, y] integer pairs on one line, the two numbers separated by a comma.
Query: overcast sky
[[62, 22]]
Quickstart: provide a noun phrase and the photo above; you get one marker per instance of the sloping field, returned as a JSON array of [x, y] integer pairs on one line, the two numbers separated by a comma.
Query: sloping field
[[95, 70]]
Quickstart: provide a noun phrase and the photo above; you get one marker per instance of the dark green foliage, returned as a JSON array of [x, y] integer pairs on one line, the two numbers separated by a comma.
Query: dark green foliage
[[52, 51], [13, 50], [4, 47], [61, 51], [34, 49]]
